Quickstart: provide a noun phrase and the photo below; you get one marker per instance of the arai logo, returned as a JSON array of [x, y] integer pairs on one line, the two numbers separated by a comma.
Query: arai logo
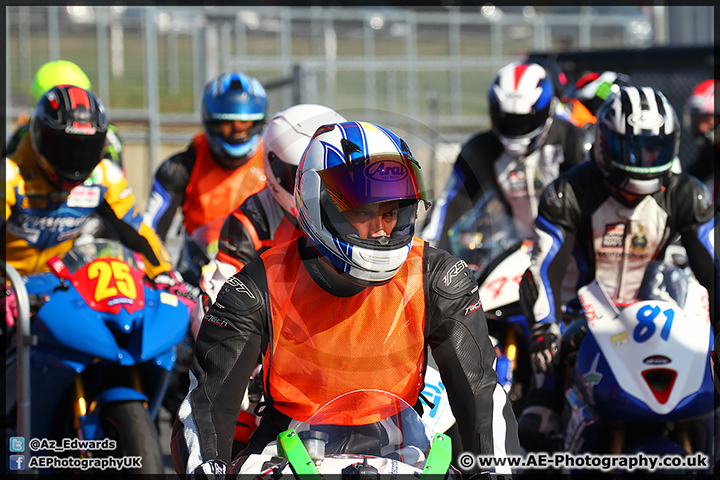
[[646, 119], [386, 171]]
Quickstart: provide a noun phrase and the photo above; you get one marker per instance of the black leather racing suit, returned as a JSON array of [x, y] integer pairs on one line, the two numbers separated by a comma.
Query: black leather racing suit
[[237, 329], [578, 216], [171, 179], [482, 165]]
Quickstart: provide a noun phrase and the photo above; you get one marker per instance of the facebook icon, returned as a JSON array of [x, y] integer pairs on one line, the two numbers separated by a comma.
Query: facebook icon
[[17, 462]]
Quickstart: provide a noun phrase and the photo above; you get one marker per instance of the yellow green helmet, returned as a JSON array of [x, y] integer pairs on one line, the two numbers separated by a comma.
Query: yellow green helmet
[[57, 72]]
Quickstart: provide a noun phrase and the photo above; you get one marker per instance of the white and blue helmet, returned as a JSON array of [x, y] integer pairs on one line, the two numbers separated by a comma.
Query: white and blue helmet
[[233, 96], [349, 165]]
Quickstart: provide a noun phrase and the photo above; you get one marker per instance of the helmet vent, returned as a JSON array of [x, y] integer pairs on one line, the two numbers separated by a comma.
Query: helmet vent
[[236, 85], [348, 149]]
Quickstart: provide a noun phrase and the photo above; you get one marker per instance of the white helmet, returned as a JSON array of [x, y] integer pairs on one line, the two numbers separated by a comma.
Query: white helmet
[[284, 142], [349, 165]]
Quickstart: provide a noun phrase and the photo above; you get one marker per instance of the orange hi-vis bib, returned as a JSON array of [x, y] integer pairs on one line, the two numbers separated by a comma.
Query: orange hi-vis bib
[[213, 192], [324, 346], [285, 232], [579, 114]]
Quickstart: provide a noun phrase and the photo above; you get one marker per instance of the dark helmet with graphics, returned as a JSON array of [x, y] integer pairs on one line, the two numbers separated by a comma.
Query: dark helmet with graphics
[[68, 134], [593, 88]]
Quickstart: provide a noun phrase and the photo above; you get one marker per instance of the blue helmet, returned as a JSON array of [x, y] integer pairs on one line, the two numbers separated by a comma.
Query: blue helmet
[[233, 96]]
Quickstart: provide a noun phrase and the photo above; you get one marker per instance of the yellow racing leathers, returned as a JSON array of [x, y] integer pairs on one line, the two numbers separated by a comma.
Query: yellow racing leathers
[[42, 221]]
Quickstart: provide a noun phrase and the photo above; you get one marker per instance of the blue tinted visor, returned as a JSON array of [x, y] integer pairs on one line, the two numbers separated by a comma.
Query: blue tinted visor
[[639, 153], [379, 179]]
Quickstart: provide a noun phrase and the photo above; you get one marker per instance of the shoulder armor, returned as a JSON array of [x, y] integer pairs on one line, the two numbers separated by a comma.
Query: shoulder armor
[[113, 172], [454, 279], [11, 170], [240, 294], [483, 145], [174, 173], [258, 208], [553, 198], [702, 201]]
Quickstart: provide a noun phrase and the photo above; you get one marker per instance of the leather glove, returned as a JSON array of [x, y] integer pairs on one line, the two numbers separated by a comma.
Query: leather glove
[[210, 470], [172, 282], [544, 346]]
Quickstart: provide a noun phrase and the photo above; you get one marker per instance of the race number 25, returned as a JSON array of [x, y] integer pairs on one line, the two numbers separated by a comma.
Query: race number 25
[[105, 273]]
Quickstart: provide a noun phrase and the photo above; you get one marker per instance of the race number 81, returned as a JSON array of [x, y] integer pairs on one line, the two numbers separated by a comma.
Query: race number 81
[[646, 323]]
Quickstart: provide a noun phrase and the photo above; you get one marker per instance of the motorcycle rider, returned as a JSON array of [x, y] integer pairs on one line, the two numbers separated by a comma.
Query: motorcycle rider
[[356, 284], [266, 218], [527, 148], [220, 168], [614, 214], [57, 179], [589, 92], [702, 122], [64, 72]]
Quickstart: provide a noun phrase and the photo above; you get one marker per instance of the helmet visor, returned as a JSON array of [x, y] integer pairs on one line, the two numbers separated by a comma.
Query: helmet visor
[[701, 124], [384, 226], [72, 157], [512, 125], [283, 172], [215, 128], [378, 179], [640, 153]]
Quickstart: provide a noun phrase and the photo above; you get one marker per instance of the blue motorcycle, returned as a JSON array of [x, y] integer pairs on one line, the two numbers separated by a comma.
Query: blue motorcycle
[[640, 378], [95, 345]]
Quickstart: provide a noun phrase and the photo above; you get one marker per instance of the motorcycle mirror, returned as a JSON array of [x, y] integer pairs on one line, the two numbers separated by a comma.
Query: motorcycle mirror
[[58, 267]]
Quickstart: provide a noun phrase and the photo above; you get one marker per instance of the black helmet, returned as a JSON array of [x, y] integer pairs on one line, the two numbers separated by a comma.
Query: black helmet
[[68, 134], [636, 139]]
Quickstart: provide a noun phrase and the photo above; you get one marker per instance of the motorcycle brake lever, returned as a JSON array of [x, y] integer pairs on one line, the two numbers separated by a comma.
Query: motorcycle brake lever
[[63, 285]]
